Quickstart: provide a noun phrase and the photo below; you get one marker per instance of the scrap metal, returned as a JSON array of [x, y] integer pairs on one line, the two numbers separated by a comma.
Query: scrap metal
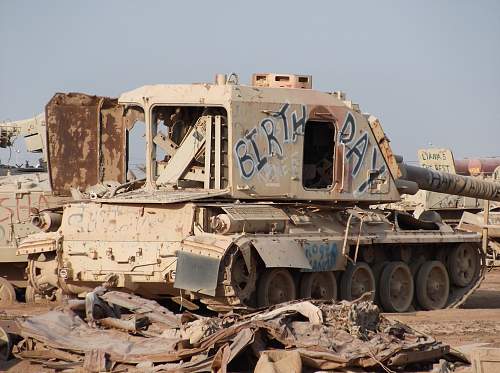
[[314, 334]]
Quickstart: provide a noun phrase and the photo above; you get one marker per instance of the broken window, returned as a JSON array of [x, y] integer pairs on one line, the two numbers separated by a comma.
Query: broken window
[[190, 146], [319, 148], [136, 143]]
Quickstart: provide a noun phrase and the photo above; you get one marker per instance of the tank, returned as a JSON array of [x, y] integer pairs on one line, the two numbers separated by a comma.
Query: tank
[[449, 206], [259, 194], [490, 231], [73, 123]]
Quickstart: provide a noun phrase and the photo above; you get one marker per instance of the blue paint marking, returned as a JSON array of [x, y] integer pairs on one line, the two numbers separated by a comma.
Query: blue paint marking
[[252, 159], [358, 151], [322, 255]]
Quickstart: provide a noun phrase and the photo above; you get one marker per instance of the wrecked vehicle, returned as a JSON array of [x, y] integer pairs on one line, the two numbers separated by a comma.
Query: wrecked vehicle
[[21, 188], [256, 195], [76, 132], [450, 207], [489, 227]]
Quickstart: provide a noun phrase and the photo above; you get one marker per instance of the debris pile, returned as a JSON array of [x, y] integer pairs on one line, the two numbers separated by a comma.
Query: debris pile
[[112, 330]]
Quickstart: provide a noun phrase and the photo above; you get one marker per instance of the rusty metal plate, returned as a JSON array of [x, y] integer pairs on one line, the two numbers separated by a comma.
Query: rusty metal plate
[[281, 252], [72, 141], [113, 142], [82, 151]]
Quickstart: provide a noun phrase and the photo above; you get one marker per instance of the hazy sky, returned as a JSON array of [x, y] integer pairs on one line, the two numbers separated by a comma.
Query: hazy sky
[[430, 70]]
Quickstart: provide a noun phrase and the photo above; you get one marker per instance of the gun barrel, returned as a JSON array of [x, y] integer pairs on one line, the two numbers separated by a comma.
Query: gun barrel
[[443, 182]]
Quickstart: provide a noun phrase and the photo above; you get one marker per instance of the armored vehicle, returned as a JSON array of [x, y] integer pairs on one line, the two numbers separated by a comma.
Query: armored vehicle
[[256, 195], [21, 189], [84, 132], [450, 207], [489, 227]]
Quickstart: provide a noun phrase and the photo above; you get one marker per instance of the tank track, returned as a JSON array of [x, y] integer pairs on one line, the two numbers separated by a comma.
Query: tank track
[[227, 299]]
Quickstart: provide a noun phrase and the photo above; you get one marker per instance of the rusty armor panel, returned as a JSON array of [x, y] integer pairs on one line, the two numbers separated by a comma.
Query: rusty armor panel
[[82, 149], [113, 142]]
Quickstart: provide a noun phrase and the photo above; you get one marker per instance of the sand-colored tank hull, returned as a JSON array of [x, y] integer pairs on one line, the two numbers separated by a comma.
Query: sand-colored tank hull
[[171, 250]]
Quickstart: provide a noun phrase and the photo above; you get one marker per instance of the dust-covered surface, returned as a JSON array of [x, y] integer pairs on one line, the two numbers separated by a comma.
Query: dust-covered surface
[[98, 335]]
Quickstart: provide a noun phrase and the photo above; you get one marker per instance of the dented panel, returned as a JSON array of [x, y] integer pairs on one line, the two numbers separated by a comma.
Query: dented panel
[[82, 149], [198, 273], [281, 252]]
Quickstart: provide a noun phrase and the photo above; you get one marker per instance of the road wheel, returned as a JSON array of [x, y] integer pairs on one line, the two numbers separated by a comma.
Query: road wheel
[[433, 285], [30, 295], [243, 277], [318, 285], [396, 287], [276, 286], [463, 264], [5, 345], [7, 292], [42, 272], [356, 280]]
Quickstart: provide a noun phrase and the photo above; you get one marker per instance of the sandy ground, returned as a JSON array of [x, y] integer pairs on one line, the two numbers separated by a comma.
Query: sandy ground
[[477, 321]]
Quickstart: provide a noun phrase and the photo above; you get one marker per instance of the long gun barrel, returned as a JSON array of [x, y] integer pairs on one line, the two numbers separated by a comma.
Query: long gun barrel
[[443, 182]]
